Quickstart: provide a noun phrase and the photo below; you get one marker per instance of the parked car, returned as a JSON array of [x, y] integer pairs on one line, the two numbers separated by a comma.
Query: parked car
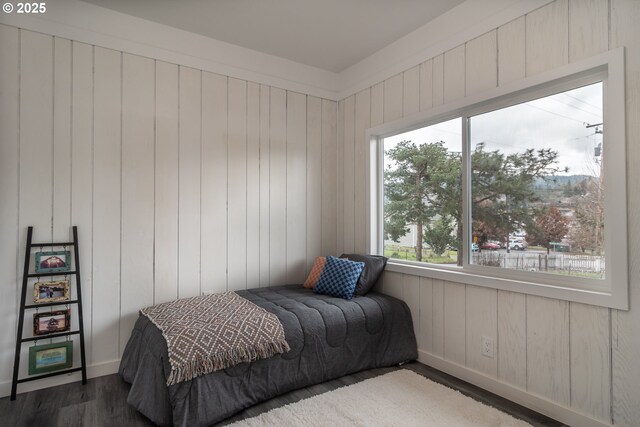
[[518, 244], [492, 246], [560, 247]]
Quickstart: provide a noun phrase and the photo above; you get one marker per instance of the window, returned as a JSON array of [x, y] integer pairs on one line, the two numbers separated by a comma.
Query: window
[[537, 196], [422, 194], [522, 191]]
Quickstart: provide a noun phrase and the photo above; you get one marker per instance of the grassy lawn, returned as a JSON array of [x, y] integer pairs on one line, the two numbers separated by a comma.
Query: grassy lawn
[[408, 253], [576, 273]]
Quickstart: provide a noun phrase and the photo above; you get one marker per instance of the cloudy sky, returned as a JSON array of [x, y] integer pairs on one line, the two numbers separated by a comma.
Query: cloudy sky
[[557, 122]]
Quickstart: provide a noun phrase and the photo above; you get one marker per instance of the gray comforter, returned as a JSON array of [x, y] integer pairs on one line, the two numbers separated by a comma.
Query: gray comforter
[[329, 338]]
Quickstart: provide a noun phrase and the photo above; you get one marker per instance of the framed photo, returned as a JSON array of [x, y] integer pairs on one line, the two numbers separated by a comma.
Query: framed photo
[[50, 357], [52, 291], [53, 261], [52, 322]]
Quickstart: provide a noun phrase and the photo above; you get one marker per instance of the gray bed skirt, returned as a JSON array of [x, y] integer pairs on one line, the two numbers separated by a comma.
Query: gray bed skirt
[[329, 338]]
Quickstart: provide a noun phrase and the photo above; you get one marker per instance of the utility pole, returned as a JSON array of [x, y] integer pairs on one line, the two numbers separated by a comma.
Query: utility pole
[[598, 153]]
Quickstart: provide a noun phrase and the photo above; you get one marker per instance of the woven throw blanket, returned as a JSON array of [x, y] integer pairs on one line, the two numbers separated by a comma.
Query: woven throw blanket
[[212, 332]]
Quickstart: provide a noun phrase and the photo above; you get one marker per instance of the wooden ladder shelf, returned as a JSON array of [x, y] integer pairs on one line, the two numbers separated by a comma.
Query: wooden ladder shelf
[[21, 339]]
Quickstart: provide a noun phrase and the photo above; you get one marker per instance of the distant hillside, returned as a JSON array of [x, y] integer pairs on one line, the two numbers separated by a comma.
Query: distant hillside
[[559, 181]]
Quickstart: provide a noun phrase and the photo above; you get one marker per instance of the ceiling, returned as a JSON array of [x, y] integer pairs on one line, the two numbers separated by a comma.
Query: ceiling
[[329, 34]]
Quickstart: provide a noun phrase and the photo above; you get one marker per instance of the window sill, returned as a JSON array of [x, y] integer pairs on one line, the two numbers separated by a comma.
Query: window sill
[[458, 275]]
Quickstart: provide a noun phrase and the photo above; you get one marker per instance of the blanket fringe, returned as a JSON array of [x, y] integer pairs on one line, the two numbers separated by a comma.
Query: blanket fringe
[[226, 359]]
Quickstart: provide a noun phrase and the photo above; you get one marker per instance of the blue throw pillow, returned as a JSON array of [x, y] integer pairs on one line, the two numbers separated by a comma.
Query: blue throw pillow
[[339, 278]]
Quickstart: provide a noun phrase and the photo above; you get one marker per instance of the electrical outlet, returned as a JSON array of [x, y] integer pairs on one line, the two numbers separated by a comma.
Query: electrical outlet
[[487, 346]]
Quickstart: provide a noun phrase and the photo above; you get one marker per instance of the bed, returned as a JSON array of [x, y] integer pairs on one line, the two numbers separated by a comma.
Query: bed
[[329, 338]]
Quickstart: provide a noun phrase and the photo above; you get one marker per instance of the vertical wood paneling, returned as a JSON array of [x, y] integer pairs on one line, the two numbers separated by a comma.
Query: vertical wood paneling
[[314, 180], [36, 140], [438, 80], [136, 153], [265, 100], [454, 74], [61, 158], [393, 98], [481, 320], [426, 85], [340, 179], [411, 295], [278, 187], [411, 91], [512, 338], [253, 185], [106, 202], [438, 317], [329, 177], [138, 137], [189, 200], [377, 104], [511, 51], [166, 183], [348, 187], [588, 28], [548, 348], [625, 31], [213, 202], [237, 186], [481, 62], [393, 284], [376, 118], [360, 169], [296, 187], [9, 88], [82, 177], [547, 39], [425, 337], [590, 360], [454, 322], [62, 140]]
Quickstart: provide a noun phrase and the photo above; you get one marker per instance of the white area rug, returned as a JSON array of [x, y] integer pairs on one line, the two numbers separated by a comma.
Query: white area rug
[[400, 398]]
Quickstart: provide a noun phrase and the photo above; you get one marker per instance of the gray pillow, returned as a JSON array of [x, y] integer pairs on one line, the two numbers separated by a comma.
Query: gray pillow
[[373, 268]]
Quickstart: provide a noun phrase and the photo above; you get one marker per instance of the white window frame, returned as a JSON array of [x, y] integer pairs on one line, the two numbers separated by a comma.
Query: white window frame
[[612, 291]]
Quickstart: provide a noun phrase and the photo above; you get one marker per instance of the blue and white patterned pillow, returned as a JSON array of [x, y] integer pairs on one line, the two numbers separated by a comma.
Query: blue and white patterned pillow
[[339, 278]]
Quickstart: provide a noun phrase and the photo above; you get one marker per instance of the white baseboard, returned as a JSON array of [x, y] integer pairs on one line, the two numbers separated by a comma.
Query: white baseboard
[[93, 371], [539, 404]]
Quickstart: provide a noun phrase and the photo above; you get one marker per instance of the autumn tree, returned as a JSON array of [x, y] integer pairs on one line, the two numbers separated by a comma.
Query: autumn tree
[[587, 232], [549, 226]]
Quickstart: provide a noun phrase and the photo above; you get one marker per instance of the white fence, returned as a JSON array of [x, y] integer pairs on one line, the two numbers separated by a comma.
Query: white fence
[[591, 265]]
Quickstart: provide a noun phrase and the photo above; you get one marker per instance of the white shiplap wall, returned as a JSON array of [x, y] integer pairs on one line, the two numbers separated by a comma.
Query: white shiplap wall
[[180, 181], [574, 361], [79, 117]]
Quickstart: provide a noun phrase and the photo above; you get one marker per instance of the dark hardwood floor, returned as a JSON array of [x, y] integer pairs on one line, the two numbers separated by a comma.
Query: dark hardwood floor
[[103, 401]]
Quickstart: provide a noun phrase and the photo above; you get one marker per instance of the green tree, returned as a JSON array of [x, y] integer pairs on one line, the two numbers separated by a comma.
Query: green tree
[[409, 188], [503, 191], [425, 180], [439, 235], [549, 226]]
